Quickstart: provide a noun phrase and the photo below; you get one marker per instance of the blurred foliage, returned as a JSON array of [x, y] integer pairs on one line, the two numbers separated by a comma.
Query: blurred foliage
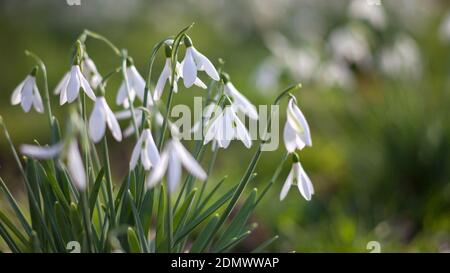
[[381, 156]]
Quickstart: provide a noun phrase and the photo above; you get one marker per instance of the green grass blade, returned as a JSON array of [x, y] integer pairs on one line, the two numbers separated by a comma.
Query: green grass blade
[[133, 242], [265, 244], [200, 241]]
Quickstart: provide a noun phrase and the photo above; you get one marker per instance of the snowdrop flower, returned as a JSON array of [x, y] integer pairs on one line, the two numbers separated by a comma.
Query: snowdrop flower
[[374, 14], [145, 148], [100, 117], [27, 94], [402, 59], [349, 44], [91, 72], [225, 127], [172, 158], [195, 61], [69, 87], [239, 100], [297, 176], [136, 86], [75, 164], [166, 76], [296, 130]]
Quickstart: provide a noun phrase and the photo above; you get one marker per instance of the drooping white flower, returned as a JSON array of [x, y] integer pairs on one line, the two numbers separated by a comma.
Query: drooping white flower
[[146, 150], [69, 87], [173, 157], [296, 130], [239, 100], [90, 72], [100, 117], [75, 166], [226, 127], [297, 176], [27, 94], [166, 76], [195, 61], [136, 86], [41, 152]]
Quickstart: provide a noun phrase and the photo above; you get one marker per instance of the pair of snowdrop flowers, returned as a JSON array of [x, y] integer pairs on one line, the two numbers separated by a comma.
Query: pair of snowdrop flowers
[[296, 136]]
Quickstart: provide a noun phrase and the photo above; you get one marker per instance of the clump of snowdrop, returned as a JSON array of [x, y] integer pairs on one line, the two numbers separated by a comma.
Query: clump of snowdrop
[[195, 61], [101, 117], [75, 182], [27, 94]]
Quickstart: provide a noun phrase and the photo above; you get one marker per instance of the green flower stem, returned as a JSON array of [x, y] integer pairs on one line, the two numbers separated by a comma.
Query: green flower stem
[[273, 179], [169, 223], [94, 35], [112, 209]]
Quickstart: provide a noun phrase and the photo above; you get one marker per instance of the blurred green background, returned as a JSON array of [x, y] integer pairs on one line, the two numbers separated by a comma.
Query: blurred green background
[[375, 92]]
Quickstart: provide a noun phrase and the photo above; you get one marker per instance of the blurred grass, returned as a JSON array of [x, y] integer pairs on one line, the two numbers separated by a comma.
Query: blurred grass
[[380, 160]]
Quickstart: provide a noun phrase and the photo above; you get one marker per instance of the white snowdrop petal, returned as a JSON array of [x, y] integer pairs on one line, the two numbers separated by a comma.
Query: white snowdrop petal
[[62, 84], [97, 122], [137, 83], [304, 185], [121, 94], [151, 149], [112, 122], [85, 85], [145, 160], [213, 129], [27, 94], [244, 104], [206, 65], [158, 171], [73, 87], [41, 152], [189, 69], [242, 133], [76, 167], [162, 81], [136, 152], [227, 131], [298, 122], [287, 185], [200, 83], [37, 100], [291, 140], [188, 160], [16, 95], [173, 172]]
